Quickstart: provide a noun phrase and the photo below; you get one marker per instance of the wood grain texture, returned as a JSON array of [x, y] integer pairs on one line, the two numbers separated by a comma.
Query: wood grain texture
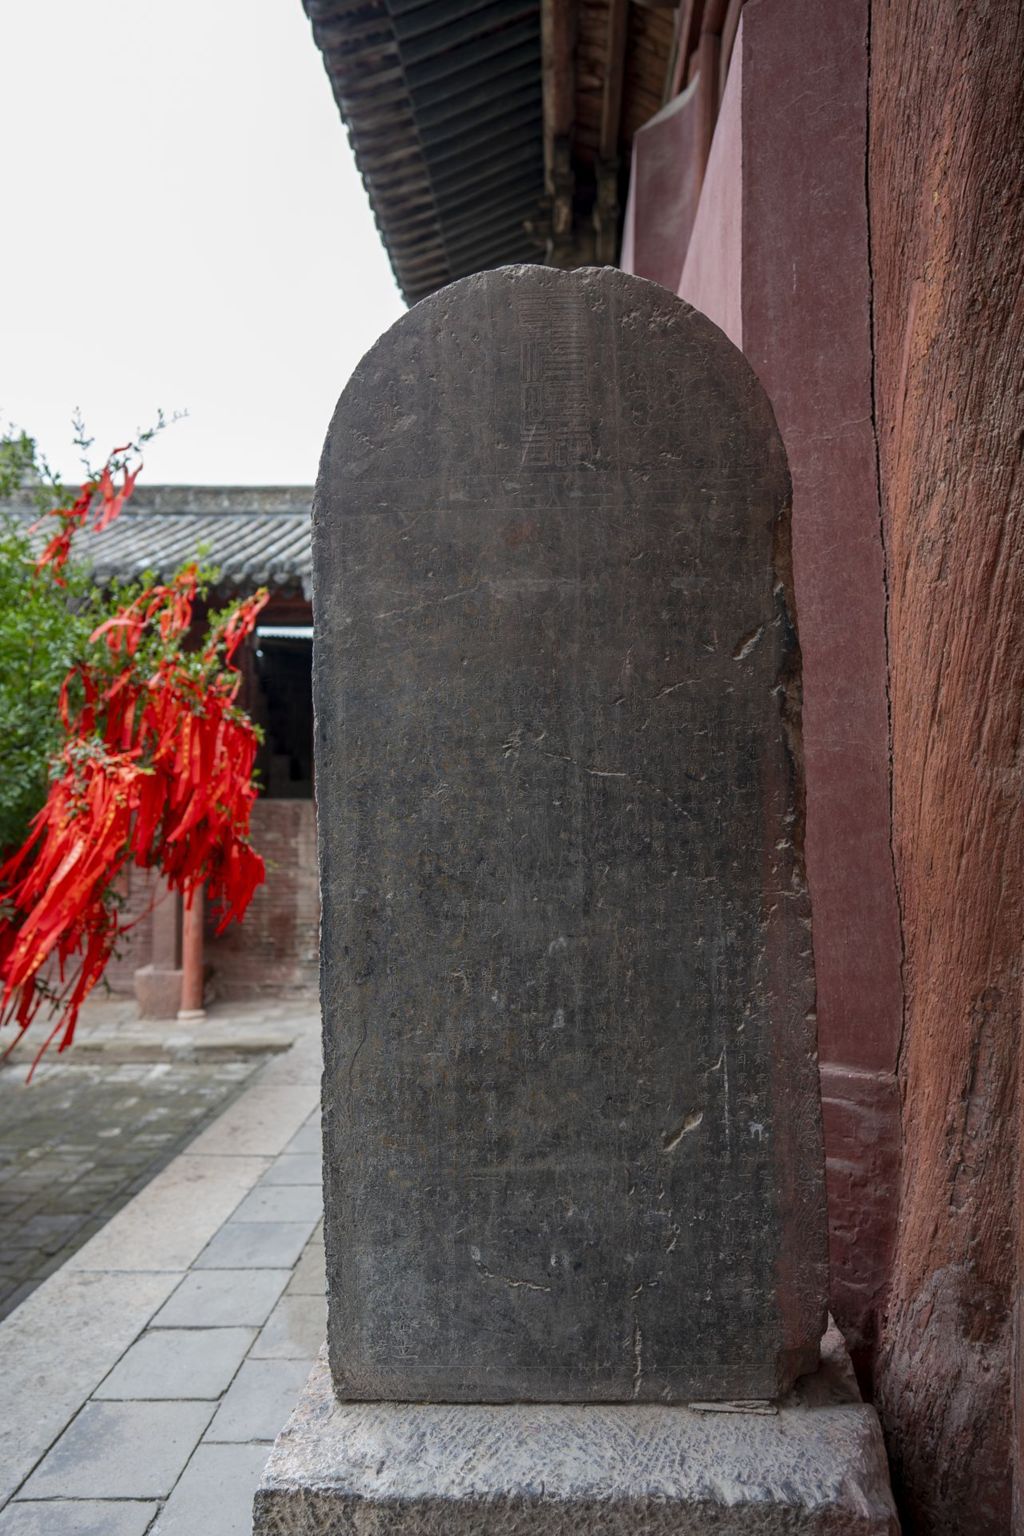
[[947, 108]]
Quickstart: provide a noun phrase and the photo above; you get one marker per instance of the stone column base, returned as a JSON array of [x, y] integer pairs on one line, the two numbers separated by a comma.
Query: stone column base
[[814, 1464], [157, 992]]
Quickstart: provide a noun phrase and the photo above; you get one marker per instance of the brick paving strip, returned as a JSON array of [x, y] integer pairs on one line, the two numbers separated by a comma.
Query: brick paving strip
[[145, 1380]]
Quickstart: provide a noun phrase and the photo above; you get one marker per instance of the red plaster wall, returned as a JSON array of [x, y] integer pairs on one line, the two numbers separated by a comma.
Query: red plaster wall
[[664, 186], [779, 258], [947, 219], [712, 275], [806, 330]]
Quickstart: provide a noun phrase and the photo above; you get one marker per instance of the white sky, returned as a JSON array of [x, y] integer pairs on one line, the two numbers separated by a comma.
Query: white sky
[[183, 227]]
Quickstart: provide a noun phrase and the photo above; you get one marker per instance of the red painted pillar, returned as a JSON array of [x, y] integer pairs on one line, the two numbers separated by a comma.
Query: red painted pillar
[[192, 957]]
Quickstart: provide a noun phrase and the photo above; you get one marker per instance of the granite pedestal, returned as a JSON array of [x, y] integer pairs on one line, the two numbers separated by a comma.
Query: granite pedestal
[[813, 1466], [158, 991]]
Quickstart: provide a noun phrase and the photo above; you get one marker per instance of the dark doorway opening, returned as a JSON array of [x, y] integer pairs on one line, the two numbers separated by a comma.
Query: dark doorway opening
[[284, 708]]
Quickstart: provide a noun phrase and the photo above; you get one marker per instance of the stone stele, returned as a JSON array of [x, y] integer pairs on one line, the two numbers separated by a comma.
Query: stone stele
[[572, 1124]]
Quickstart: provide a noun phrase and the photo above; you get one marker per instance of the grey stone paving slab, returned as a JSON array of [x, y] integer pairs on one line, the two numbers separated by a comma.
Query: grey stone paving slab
[[262, 1122], [286, 1202], [51, 1371], [308, 1139], [255, 1245], [259, 1400], [181, 1210], [295, 1168], [63, 1173], [178, 1363], [815, 1467], [215, 1494], [121, 1451], [223, 1298], [59, 1345], [295, 1330], [310, 1276], [303, 1065], [77, 1517]]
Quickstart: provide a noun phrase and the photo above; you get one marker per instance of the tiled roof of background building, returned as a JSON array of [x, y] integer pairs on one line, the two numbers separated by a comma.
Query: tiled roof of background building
[[254, 535]]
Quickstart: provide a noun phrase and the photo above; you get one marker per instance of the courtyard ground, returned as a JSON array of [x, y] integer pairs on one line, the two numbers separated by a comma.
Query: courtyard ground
[[152, 1370], [80, 1141], [96, 1123]]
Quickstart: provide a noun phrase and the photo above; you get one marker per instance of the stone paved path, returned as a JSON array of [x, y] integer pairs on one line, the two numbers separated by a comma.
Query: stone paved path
[[79, 1141], [145, 1380]]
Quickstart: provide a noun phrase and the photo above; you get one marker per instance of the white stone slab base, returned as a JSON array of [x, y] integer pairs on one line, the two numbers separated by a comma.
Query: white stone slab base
[[815, 1464]]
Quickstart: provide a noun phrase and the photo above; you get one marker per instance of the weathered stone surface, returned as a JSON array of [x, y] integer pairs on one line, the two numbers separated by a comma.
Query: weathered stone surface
[[572, 1120], [817, 1465]]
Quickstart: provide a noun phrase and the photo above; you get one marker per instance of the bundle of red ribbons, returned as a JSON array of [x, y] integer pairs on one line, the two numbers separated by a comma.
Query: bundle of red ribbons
[[156, 770]]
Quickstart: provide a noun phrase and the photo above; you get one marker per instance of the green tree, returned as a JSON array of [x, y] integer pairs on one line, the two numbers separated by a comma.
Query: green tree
[[121, 731], [44, 630]]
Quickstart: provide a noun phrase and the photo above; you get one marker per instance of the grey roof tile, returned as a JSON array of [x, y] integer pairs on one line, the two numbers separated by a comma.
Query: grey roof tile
[[253, 535]]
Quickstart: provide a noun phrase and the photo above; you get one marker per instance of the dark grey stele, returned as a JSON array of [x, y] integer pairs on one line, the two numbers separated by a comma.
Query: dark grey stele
[[572, 1124]]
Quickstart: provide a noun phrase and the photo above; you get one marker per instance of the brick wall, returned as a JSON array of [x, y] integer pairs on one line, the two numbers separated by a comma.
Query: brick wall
[[274, 950], [138, 889]]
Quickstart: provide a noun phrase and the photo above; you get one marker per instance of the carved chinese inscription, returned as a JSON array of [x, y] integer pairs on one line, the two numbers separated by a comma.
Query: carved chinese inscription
[[555, 369], [572, 1123]]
